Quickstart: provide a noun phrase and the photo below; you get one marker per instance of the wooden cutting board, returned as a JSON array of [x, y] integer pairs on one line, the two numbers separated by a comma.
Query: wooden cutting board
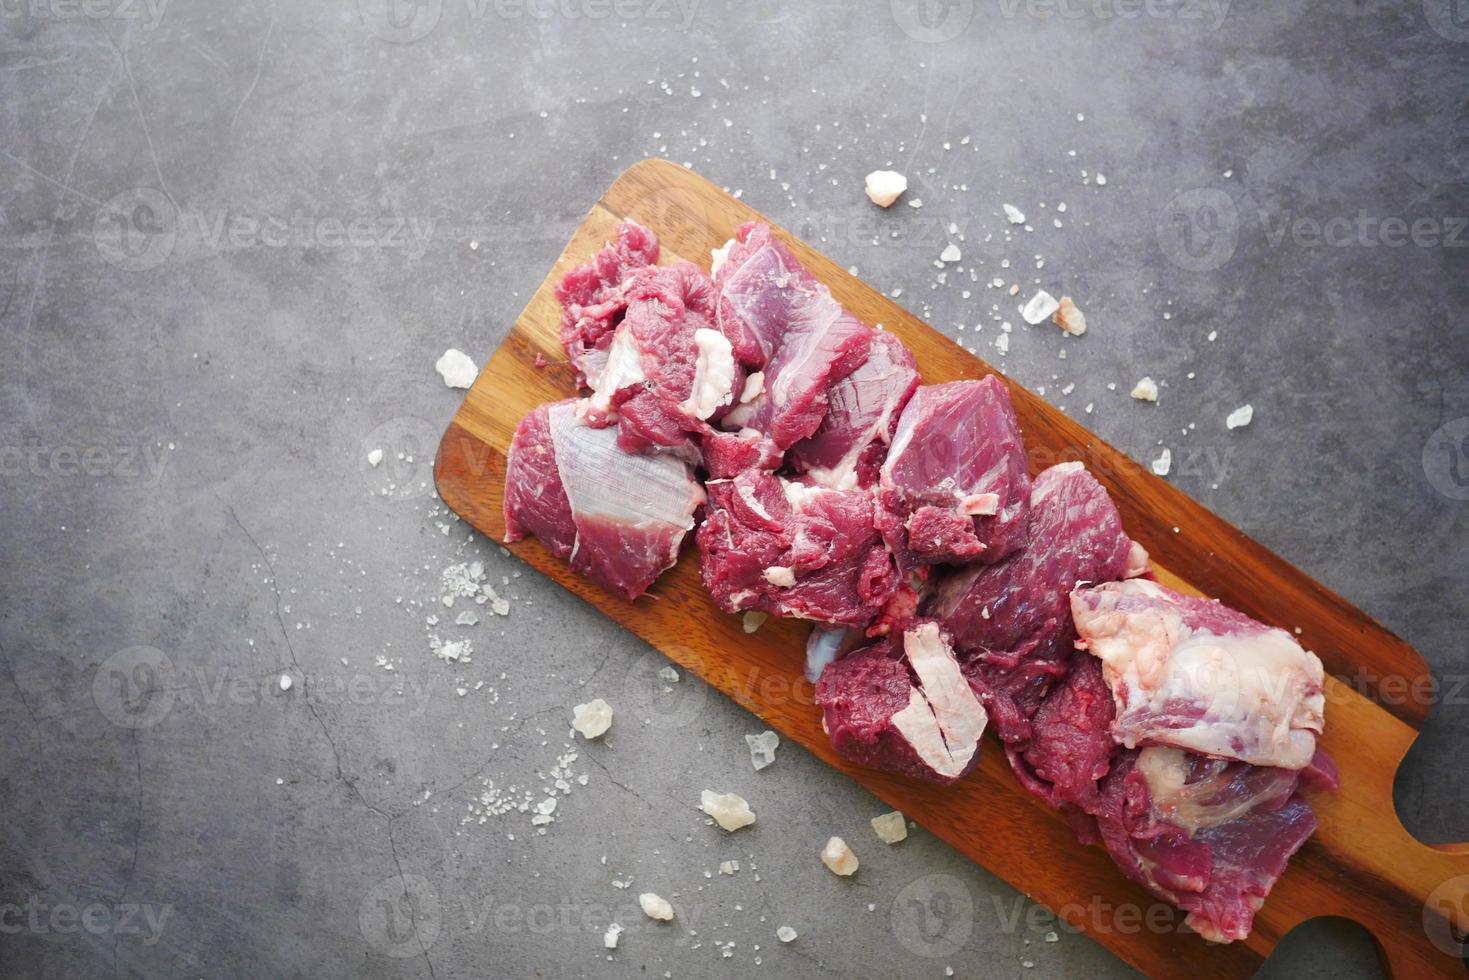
[[1361, 863]]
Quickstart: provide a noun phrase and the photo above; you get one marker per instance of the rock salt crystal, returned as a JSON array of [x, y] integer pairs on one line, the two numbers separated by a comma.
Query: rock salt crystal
[[762, 748], [728, 810], [837, 856], [592, 719], [890, 827]]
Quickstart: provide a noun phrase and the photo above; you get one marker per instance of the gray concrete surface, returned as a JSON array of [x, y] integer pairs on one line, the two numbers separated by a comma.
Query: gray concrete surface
[[237, 235]]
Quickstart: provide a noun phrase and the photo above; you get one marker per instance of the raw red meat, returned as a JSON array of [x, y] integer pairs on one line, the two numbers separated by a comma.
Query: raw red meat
[[786, 327], [907, 710], [1197, 675], [955, 485], [794, 549], [849, 447], [1021, 607], [666, 368], [618, 518], [591, 297]]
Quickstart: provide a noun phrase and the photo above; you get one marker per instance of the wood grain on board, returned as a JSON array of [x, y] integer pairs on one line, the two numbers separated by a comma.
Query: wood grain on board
[[1361, 864]]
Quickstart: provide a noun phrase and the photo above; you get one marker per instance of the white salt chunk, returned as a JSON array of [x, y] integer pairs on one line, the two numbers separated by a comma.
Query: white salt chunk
[[609, 938], [374, 457], [728, 867], [1070, 319], [592, 719], [762, 748], [457, 370], [890, 827], [1041, 306], [785, 934], [728, 810], [1240, 417], [285, 682], [885, 186], [655, 907], [1146, 390], [1016, 216], [754, 620], [1163, 463], [668, 675], [951, 254], [837, 856]]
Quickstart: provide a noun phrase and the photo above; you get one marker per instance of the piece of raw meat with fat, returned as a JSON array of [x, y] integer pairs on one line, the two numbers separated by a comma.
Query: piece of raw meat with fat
[[592, 301], [617, 517], [904, 706], [667, 369], [790, 333], [1197, 675], [1011, 621], [955, 486], [792, 548], [863, 408]]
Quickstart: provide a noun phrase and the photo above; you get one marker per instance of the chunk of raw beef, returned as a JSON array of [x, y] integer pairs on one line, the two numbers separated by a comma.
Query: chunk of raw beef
[[787, 326], [794, 549], [667, 368], [1195, 674], [591, 297], [1070, 747], [1211, 837], [1011, 621], [619, 518], [907, 710], [955, 486], [1021, 607], [862, 412]]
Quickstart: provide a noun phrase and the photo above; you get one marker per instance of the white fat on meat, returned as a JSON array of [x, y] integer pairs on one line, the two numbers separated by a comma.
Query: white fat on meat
[[714, 371], [943, 720], [602, 481], [780, 576], [800, 494], [1251, 695], [980, 504], [719, 256], [754, 387], [1187, 805], [624, 367]]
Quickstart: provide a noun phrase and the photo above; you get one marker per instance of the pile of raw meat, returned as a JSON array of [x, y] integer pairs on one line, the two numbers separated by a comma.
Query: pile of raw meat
[[951, 592]]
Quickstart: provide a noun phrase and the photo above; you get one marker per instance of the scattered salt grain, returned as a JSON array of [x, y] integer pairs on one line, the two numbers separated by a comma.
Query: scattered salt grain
[[1146, 390], [728, 810], [285, 682], [592, 719], [785, 934], [728, 867], [1016, 216], [374, 457], [1070, 319], [667, 675], [890, 827], [1240, 417], [762, 748], [609, 938], [457, 370], [655, 907], [885, 186], [837, 856], [951, 253], [1040, 306], [1163, 463], [754, 620]]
